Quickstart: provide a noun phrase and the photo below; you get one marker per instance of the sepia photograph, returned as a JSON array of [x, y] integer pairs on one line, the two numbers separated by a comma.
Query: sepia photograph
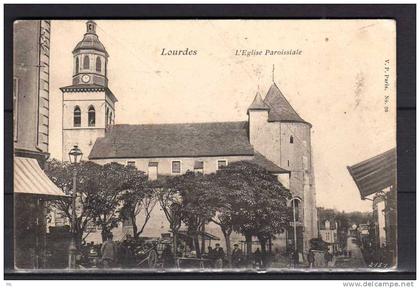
[[205, 145]]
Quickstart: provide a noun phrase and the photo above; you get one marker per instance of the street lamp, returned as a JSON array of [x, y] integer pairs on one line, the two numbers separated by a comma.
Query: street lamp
[[75, 156]]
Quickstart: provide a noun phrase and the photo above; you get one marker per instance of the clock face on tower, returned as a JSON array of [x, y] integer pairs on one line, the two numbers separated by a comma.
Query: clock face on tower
[[85, 78]]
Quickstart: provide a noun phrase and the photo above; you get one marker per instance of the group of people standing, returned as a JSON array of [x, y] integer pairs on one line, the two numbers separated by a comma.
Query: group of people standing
[[121, 254]]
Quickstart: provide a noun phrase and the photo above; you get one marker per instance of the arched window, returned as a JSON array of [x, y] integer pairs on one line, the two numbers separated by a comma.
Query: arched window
[[295, 207], [291, 139], [98, 64], [86, 63], [77, 64], [91, 116], [77, 117]]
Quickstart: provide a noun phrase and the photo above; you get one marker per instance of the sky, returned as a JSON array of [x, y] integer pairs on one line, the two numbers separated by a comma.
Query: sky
[[336, 83]]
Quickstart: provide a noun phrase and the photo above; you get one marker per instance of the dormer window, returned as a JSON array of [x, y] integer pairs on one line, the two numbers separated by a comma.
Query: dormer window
[[98, 64], [77, 117], [86, 63], [91, 116]]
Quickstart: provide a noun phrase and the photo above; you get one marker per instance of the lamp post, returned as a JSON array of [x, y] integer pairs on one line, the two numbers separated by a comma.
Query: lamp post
[[75, 156]]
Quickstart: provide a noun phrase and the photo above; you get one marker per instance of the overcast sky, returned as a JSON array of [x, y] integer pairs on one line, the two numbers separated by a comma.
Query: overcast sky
[[337, 83]]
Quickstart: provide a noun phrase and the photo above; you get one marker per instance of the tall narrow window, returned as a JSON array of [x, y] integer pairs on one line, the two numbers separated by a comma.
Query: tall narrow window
[[91, 116], [77, 64], [98, 64], [106, 115], [77, 117], [86, 63], [110, 118], [291, 139], [153, 170]]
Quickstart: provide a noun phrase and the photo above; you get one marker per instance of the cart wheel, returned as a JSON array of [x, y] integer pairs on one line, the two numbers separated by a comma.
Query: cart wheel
[[152, 259]]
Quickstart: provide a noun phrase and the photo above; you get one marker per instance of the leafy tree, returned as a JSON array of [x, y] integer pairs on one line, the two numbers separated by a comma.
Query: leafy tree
[[61, 173], [196, 191], [138, 198], [251, 201], [171, 203], [98, 192], [263, 208], [108, 185]]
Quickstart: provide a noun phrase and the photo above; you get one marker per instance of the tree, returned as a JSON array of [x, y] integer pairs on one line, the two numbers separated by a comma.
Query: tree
[[112, 181], [98, 191], [138, 198], [249, 200], [260, 208], [197, 203], [61, 173], [171, 203]]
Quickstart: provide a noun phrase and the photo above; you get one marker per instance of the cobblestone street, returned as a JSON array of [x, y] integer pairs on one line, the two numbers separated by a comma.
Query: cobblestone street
[[355, 261]]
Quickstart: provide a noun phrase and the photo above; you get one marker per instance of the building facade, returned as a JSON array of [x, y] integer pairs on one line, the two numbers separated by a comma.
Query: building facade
[[376, 178], [274, 136], [328, 230], [32, 188]]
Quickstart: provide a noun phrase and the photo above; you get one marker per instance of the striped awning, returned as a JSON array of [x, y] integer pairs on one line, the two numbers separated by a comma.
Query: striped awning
[[375, 174], [30, 179]]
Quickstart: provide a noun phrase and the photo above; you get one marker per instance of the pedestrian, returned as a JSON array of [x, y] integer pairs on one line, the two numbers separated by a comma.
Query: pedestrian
[[328, 258], [236, 256], [258, 258], [108, 251], [219, 256], [291, 258], [311, 258], [350, 254], [211, 256], [168, 257]]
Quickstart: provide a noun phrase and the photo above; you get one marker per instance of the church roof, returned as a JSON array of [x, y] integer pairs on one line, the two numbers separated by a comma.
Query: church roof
[[258, 103], [174, 140], [280, 108], [180, 140], [90, 41], [270, 166]]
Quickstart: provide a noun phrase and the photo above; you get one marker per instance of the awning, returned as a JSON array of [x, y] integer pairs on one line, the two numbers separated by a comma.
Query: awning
[[206, 235], [376, 173], [30, 179]]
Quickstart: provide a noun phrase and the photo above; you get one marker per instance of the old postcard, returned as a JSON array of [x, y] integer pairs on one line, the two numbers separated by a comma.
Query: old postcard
[[205, 145]]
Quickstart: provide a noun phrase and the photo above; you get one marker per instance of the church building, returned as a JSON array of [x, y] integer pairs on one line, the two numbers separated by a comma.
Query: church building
[[274, 137]]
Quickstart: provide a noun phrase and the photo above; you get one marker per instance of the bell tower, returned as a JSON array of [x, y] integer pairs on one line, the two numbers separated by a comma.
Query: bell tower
[[90, 59], [88, 104]]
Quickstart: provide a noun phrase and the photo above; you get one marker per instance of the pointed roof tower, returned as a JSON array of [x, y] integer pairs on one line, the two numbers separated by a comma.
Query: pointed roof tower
[[90, 40], [280, 108], [258, 103]]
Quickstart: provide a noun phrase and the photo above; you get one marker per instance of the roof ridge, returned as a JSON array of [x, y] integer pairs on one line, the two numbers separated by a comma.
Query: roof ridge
[[181, 123]]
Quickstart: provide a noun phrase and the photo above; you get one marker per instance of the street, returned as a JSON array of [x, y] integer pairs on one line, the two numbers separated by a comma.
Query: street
[[355, 261]]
